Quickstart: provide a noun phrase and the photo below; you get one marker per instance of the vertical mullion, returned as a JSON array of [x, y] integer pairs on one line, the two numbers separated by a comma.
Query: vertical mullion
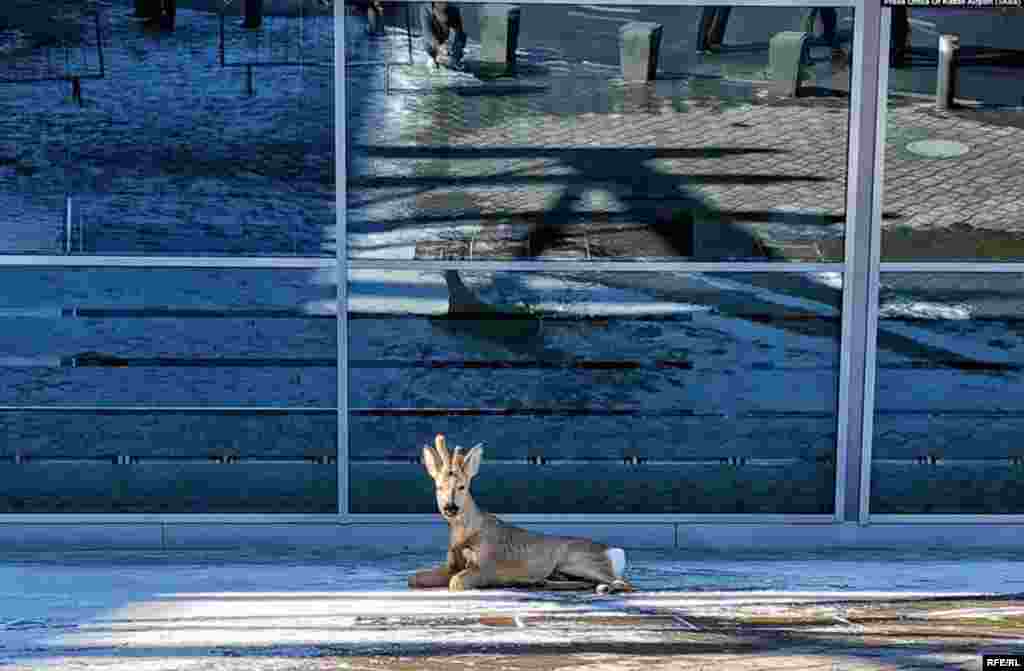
[[341, 252], [859, 191], [874, 274]]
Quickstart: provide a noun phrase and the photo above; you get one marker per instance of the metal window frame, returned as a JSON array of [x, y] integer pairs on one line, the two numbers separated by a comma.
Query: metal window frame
[[877, 267], [860, 269], [848, 444]]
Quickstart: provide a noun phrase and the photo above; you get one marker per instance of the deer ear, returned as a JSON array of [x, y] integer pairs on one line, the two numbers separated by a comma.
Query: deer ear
[[472, 465], [432, 462]]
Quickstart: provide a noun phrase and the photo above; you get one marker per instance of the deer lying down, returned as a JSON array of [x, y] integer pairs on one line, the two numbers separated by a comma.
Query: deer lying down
[[483, 551]]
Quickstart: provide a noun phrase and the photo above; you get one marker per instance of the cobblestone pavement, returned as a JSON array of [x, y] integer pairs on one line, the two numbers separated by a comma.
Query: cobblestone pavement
[[451, 156]]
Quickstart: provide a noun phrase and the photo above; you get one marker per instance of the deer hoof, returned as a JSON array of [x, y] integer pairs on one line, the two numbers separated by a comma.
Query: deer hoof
[[602, 589], [457, 584]]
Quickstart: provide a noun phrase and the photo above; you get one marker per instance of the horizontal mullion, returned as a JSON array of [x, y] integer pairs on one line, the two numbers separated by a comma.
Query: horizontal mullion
[[279, 64], [186, 262], [947, 518], [579, 412], [182, 313], [624, 460], [604, 320], [705, 3], [565, 266], [966, 365], [549, 365], [137, 458], [97, 360], [316, 263], [978, 414], [951, 267], [156, 409]]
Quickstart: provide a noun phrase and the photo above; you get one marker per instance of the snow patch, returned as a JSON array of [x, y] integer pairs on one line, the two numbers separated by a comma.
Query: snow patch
[[617, 556], [925, 310]]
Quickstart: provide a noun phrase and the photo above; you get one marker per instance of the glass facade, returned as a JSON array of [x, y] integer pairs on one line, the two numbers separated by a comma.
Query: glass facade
[[947, 410], [700, 398], [637, 267]]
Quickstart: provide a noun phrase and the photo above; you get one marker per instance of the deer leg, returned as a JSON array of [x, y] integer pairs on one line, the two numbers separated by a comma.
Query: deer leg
[[593, 565], [498, 573], [434, 577]]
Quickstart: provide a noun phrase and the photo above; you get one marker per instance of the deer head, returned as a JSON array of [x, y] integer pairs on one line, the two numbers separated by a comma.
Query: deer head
[[452, 474]]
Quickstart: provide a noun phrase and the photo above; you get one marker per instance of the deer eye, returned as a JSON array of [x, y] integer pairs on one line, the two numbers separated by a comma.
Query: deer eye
[[463, 487]]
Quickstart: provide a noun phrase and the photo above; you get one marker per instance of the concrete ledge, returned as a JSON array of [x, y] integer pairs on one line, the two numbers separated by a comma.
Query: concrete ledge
[[427, 536], [211, 535], [43, 536], [414, 537], [647, 536], [949, 536]]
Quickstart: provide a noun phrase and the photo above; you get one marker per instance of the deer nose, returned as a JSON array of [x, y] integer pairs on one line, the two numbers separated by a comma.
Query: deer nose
[[451, 509]]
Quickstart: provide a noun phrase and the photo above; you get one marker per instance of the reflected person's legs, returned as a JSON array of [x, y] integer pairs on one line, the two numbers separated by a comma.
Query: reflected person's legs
[[432, 37], [712, 26], [719, 24], [828, 22], [457, 34], [899, 42]]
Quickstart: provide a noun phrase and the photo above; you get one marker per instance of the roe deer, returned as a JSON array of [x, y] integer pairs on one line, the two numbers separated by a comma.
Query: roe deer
[[483, 551]]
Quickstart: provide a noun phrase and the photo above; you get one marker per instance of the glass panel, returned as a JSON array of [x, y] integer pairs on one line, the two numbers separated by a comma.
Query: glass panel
[[97, 461], [953, 185], [125, 136], [722, 387], [561, 158], [949, 407], [252, 354]]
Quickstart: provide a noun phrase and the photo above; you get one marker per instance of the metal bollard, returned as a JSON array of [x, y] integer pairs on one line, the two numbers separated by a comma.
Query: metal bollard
[[639, 42], [949, 61], [499, 35]]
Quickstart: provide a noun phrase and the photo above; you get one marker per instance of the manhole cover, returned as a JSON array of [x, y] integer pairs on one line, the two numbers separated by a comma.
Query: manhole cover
[[938, 148]]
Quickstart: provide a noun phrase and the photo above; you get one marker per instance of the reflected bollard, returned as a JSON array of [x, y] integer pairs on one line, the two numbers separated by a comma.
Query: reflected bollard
[[499, 35], [639, 43], [949, 61], [786, 51]]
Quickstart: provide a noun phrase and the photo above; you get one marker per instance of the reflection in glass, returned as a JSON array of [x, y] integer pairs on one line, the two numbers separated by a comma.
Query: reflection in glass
[[953, 186], [141, 390], [948, 409], [597, 392], [566, 160], [126, 137]]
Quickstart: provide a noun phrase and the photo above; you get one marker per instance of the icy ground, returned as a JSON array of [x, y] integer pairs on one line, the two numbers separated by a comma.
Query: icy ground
[[159, 607]]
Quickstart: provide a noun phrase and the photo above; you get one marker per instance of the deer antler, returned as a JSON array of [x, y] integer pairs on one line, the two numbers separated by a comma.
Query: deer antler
[[441, 450]]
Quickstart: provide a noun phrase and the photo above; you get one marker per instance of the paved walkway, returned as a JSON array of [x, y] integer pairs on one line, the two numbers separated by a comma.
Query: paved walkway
[[454, 157], [242, 610]]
